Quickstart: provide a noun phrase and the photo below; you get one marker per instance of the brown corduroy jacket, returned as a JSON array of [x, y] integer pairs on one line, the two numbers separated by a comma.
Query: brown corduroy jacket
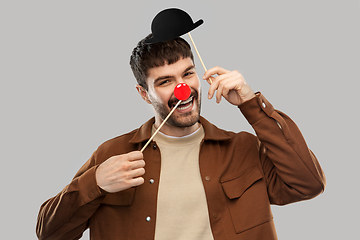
[[242, 175]]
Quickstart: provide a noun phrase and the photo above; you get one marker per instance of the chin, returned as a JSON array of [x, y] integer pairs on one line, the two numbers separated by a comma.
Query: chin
[[185, 120]]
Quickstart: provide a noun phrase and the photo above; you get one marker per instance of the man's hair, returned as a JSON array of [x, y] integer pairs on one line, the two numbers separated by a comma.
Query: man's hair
[[146, 56]]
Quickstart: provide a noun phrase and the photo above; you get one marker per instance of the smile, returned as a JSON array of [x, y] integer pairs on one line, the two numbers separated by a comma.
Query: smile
[[187, 104]]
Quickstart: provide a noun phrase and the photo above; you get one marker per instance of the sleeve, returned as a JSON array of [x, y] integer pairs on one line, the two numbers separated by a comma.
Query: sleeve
[[291, 170], [65, 216]]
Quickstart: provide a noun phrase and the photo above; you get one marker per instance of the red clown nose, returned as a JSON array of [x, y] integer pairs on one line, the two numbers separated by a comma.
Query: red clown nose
[[182, 91]]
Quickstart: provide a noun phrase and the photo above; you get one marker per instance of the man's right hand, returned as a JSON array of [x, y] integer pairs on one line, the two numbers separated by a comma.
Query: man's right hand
[[121, 172]]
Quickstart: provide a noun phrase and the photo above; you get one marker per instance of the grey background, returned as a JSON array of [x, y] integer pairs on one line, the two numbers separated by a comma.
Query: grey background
[[66, 87]]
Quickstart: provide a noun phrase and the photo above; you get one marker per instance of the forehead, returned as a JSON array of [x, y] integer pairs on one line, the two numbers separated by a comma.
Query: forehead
[[171, 70]]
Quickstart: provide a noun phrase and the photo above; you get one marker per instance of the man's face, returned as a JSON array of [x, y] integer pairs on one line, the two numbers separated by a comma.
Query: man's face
[[161, 83]]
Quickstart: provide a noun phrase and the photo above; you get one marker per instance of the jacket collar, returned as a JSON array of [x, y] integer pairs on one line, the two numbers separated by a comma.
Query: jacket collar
[[211, 131]]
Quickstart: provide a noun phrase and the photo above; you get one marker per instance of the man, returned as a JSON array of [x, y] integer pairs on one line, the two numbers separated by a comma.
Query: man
[[194, 181]]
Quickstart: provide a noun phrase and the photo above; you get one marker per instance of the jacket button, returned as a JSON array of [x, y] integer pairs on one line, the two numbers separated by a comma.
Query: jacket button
[[264, 105], [148, 218], [154, 146], [207, 178], [152, 181]]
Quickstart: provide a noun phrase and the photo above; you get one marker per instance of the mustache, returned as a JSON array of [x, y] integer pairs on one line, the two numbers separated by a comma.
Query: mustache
[[173, 100]]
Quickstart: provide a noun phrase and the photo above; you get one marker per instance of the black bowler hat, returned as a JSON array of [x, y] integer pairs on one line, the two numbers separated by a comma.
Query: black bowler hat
[[171, 23]]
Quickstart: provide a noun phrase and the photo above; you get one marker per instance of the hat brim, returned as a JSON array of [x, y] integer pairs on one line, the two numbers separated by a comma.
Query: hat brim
[[153, 39]]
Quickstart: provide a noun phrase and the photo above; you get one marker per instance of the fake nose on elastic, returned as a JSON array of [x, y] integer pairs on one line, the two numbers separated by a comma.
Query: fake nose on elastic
[[182, 91]]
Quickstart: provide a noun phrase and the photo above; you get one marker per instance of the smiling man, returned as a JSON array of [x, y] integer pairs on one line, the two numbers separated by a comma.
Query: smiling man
[[194, 181], [161, 82]]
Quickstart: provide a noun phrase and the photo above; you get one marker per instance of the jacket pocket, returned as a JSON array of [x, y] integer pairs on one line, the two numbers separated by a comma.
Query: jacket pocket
[[123, 198], [247, 199]]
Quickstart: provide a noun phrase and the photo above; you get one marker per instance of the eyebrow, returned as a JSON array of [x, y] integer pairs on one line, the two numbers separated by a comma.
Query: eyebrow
[[171, 76]]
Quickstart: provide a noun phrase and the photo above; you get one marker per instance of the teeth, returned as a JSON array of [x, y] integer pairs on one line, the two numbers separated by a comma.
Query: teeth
[[189, 100], [185, 102], [183, 108]]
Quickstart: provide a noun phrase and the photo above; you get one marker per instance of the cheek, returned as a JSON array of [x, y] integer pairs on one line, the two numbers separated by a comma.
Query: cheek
[[160, 97], [196, 84], [197, 88]]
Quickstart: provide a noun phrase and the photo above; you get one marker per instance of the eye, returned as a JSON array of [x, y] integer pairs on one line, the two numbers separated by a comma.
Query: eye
[[188, 74], [164, 82]]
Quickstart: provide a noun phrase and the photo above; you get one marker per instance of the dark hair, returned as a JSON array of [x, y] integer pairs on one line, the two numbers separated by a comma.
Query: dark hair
[[146, 56]]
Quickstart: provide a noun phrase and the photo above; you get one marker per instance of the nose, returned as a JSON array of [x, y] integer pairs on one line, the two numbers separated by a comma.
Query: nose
[[182, 91]]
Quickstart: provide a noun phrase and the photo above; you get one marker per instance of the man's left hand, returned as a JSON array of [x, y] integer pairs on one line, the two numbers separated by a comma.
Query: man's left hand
[[228, 84]]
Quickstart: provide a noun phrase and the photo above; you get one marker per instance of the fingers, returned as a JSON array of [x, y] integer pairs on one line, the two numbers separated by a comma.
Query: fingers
[[136, 168], [228, 84], [215, 70], [136, 182], [133, 175], [137, 173], [136, 164], [223, 84], [135, 155], [224, 88], [121, 172]]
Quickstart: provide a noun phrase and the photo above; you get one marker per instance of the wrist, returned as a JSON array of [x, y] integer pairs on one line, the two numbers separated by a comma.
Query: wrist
[[257, 108], [248, 97]]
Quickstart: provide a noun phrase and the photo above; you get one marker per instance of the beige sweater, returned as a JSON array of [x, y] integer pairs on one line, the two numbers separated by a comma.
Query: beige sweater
[[182, 211]]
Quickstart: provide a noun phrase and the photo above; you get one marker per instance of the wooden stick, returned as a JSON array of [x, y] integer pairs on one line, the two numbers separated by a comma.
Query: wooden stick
[[193, 43], [163, 122]]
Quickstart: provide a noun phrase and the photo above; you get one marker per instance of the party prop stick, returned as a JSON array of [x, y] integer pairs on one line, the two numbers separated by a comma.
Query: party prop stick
[[166, 25], [171, 23], [193, 43], [182, 92], [157, 130]]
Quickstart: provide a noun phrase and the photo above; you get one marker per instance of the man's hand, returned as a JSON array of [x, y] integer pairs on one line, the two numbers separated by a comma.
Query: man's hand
[[121, 172], [229, 84]]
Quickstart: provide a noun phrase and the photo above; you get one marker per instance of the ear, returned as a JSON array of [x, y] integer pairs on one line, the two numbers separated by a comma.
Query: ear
[[143, 93]]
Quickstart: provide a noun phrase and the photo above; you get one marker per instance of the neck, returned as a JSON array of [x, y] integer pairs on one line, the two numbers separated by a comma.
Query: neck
[[176, 131]]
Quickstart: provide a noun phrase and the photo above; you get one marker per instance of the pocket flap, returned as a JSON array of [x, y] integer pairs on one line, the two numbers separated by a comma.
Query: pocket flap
[[235, 187]]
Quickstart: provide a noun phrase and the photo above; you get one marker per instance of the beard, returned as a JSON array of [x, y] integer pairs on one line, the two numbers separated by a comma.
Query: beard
[[181, 120]]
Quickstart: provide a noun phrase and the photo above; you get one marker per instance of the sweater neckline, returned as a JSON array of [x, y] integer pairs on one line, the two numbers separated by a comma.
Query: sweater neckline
[[170, 140]]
